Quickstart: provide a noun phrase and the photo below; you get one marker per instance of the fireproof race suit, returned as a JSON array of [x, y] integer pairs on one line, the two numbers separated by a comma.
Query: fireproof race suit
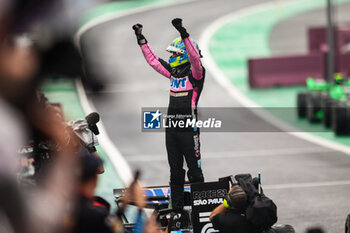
[[186, 83]]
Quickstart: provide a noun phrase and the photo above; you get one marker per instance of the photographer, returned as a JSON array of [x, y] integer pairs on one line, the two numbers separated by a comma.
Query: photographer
[[87, 216], [91, 215], [229, 217]]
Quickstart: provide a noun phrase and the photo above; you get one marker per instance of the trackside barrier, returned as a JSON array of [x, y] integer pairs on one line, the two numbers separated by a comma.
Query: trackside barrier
[[317, 39], [293, 70], [285, 70], [343, 64]]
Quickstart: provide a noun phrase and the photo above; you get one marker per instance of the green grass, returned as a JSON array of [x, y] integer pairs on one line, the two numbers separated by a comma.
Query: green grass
[[247, 37]]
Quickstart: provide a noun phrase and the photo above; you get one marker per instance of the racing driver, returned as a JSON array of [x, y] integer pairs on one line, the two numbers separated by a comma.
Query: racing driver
[[186, 75]]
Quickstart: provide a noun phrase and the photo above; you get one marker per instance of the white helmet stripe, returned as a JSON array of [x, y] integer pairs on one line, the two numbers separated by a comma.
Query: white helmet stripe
[[173, 49]]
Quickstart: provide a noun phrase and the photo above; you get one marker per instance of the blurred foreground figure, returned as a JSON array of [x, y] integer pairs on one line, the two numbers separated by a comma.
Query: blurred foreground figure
[[92, 214], [21, 70], [89, 217], [21, 111], [18, 65], [35, 43]]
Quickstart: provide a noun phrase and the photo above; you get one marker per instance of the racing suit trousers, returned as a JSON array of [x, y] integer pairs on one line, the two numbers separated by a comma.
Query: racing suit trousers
[[182, 145]]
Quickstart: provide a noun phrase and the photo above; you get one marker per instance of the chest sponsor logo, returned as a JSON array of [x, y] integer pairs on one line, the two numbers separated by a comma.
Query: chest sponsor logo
[[178, 83], [181, 94]]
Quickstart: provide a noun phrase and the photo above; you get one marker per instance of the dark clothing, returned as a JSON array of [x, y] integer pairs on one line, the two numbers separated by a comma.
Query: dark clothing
[[180, 145], [90, 218], [186, 84], [233, 221], [183, 142]]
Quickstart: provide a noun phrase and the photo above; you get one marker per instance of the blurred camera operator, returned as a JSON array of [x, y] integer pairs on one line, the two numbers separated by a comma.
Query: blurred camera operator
[[229, 217], [87, 216], [19, 68], [93, 216]]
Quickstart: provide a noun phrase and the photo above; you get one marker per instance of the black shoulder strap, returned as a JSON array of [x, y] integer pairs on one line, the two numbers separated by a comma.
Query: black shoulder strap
[[165, 64]]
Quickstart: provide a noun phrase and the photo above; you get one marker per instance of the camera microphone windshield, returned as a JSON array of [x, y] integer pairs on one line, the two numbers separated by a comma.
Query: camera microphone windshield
[[92, 120]]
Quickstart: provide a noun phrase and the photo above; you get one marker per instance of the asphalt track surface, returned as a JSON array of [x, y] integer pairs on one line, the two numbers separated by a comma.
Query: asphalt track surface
[[309, 183]]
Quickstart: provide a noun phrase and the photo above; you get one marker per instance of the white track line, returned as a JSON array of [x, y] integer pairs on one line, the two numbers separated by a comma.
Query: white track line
[[118, 161], [236, 94], [111, 16], [238, 154], [307, 185], [131, 88]]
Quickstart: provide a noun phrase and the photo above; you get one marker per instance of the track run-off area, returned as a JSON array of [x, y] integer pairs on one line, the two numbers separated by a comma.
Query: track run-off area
[[308, 179]]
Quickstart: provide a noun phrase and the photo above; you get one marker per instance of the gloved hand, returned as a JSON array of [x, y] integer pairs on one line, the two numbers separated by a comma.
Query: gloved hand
[[141, 40], [138, 29], [177, 23]]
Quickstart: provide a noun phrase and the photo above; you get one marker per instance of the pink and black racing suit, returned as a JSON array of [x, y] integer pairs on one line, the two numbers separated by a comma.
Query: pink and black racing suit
[[186, 83]]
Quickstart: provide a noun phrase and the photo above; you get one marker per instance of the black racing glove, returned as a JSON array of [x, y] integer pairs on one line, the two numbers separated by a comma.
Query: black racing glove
[[141, 40], [177, 23]]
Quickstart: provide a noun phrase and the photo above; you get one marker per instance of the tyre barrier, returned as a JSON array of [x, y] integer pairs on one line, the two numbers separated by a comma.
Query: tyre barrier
[[340, 119], [313, 107], [326, 107], [301, 104]]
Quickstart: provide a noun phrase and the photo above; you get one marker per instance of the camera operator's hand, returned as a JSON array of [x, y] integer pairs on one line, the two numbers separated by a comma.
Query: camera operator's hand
[[152, 226], [139, 196], [141, 40], [134, 194], [177, 23]]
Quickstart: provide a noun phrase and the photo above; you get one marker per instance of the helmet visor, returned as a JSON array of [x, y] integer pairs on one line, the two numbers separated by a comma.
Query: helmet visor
[[173, 49]]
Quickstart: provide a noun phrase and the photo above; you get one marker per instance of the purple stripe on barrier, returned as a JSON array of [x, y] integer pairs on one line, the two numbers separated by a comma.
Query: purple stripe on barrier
[[293, 70], [317, 39], [285, 70], [343, 39]]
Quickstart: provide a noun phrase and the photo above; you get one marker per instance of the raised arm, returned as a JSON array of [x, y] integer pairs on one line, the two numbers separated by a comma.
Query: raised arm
[[151, 57], [154, 61], [193, 53], [194, 57]]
